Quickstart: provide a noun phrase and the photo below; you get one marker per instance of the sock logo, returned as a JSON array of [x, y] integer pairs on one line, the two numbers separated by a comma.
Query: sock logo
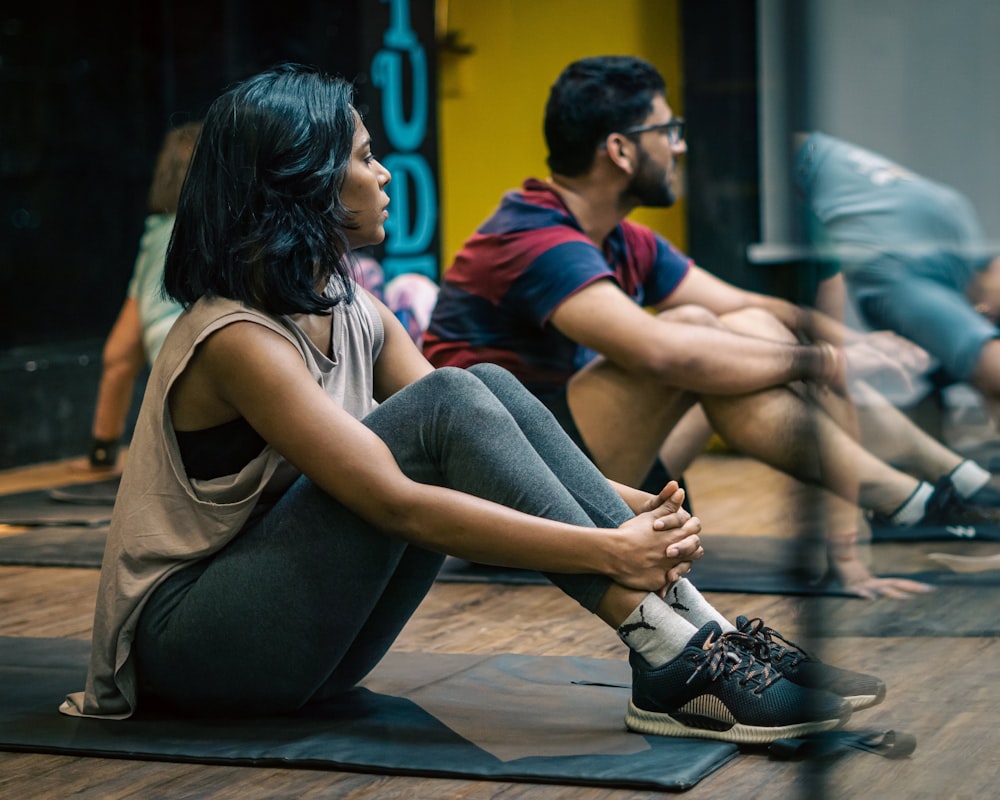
[[625, 629], [676, 604], [962, 531]]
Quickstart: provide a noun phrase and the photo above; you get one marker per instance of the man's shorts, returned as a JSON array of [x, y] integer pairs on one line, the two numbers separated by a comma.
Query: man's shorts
[[929, 313]]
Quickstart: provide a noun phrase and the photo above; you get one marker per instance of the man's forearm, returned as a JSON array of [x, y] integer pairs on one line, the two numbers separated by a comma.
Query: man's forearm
[[717, 361]]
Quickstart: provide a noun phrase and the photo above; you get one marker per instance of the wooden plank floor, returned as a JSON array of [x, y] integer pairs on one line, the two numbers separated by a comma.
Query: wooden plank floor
[[943, 690]]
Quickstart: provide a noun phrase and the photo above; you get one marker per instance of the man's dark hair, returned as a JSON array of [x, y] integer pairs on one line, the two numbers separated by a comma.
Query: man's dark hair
[[591, 98], [171, 167], [260, 218]]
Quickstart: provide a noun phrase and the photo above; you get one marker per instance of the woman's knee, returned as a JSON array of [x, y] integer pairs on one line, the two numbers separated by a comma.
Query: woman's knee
[[512, 394], [440, 390], [457, 396], [478, 384], [497, 379], [487, 372], [452, 379]]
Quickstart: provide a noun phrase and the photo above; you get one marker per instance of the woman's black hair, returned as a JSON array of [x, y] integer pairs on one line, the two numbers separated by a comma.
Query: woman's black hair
[[260, 218], [592, 98]]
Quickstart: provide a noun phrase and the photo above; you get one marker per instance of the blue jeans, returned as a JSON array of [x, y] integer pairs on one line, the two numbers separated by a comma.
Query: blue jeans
[[305, 601]]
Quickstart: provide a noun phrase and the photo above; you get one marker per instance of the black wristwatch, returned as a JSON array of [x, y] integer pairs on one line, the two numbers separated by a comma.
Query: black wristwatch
[[104, 452]]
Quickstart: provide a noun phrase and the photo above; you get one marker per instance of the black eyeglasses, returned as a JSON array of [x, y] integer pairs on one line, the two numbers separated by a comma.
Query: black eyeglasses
[[674, 130]]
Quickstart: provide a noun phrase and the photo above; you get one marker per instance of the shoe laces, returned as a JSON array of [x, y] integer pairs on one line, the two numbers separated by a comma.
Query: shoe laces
[[944, 500], [725, 658], [947, 506], [770, 645]]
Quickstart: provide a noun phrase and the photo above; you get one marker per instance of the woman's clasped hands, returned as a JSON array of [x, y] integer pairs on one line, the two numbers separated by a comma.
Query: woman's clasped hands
[[659, 544]]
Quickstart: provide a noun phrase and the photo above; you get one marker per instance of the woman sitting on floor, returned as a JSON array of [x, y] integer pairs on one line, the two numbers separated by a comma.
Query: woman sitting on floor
[[298, 470]]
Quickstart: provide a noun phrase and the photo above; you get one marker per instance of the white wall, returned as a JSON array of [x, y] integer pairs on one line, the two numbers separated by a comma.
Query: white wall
[[917, 80]]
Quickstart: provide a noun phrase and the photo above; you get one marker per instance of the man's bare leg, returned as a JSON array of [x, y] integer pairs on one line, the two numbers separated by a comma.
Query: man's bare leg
[[893, 436], [986, 378], [845, 526], [688, 440], [886, 432], [623, 419], [787, 433]]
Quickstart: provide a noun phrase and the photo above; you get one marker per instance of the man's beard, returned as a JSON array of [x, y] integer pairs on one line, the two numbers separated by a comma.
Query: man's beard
[[650, 186]]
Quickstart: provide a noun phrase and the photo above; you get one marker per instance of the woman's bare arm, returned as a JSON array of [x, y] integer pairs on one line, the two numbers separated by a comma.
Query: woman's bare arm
[[260, 376]]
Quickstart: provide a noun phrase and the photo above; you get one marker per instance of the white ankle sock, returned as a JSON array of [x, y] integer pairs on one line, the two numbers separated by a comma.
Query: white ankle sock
[[655, 631], [913, 510], [968, 478], [691, 604]]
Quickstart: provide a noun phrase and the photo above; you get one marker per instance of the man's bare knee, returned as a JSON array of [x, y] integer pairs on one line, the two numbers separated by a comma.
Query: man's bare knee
[[757, 322], [987, 373], [691, 315]]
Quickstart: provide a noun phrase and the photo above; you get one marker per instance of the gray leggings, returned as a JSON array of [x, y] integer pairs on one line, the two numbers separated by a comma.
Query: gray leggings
[[303, 603]]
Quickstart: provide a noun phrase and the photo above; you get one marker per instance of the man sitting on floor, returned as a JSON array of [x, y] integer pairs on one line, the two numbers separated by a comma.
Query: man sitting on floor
[[553, 284]]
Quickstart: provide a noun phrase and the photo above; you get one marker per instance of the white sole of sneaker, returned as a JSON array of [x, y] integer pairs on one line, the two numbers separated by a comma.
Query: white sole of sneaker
[[658, 724], [860, 701]]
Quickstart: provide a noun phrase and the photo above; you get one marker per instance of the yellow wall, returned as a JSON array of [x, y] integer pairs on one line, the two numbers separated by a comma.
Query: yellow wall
[[491, 101]]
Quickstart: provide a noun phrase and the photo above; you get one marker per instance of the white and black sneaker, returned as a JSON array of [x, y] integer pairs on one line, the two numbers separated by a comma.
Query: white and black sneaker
[[947, 516], [717, 689]]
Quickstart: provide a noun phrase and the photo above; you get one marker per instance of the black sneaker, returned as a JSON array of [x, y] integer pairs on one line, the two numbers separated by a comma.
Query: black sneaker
[[947, 516], [717, 689], [947, 507], [857, 688], [986, 497]]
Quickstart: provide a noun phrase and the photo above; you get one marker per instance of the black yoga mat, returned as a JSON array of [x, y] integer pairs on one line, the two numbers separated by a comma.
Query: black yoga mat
[[745, 564], [94, 493], [42, 507], [952, 611], [507, 718], [936, 533], [59, 546], [771, 565], [962, 603], [753, 565]]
